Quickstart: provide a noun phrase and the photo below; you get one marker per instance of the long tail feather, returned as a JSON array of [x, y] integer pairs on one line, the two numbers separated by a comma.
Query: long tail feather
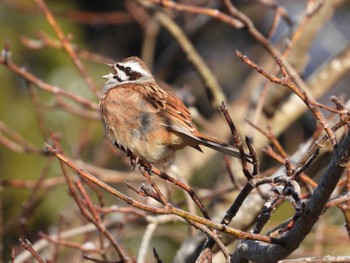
[[219, 146]]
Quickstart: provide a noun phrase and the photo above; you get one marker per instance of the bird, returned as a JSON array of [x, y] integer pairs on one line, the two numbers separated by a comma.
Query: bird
[[145, 120]]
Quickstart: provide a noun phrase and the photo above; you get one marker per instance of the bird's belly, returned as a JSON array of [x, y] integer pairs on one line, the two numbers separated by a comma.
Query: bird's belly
[[149, 146], [152, 152], [148, 142], [133, 126]]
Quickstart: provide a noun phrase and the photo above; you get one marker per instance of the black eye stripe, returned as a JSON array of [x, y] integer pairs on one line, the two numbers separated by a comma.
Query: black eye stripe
[[133, 75], [125, 69], [117, 78]]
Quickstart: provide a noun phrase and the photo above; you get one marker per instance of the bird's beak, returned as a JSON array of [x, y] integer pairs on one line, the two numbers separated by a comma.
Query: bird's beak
[[108, 76], [113, 66]]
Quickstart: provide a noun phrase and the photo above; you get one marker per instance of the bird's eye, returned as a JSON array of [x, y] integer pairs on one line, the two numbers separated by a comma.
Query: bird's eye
[[128, 70]]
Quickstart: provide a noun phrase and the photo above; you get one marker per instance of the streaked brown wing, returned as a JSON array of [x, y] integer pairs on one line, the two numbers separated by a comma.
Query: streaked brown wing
[[151, 93], [174, 113], [179, 115]]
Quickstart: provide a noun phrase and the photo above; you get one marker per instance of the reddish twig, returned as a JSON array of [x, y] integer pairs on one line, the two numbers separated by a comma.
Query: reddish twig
[[271, 136], [213, 236], [28, 246], [169, 209], [185, 187], [269, 151], [45, 41], [237, 140], [4, 60], [66, 45], [215, 13], [69, 244], [88, 203], [320, 141], [16, 142], [147, 175], [98, 223], [289, 83]]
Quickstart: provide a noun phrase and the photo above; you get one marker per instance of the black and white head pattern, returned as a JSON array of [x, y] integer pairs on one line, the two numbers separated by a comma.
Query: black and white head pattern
[[130, 70]]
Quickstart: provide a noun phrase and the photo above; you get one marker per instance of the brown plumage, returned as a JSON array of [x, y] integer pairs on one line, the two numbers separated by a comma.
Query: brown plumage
[[145, 120]]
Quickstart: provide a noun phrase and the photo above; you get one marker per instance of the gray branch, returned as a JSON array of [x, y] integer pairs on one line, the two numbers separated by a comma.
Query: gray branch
[[290, 241]]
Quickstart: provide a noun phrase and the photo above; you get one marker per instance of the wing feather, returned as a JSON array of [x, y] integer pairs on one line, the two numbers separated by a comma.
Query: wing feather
[[171, 109], [177, 118]]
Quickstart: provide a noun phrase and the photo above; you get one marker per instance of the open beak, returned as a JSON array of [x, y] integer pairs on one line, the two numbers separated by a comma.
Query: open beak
[[113, 66], [108, 76]]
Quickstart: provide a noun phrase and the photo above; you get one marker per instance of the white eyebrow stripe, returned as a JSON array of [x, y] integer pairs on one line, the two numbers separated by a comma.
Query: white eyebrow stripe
[[120, 77], [135, 66]]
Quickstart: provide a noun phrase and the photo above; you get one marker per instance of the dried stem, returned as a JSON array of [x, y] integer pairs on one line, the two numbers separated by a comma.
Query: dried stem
[[194, 57], [169, 209], [4, 60], [288, 82], [66, 45], [28, 246]]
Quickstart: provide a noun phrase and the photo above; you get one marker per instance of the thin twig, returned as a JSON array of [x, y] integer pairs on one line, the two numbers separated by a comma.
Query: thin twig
[[169, 209], [209, 79], [66, 45], [185, 187], [45, 41], [99, 225], [4, 60], [288, 82], [69, 244], [16, 142], [28, 246]]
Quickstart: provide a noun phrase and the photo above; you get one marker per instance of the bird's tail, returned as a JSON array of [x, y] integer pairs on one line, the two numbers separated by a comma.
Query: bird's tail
[[218, 146]]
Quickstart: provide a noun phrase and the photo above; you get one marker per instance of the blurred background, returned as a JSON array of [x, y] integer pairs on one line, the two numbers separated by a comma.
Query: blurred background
[[116, 30]]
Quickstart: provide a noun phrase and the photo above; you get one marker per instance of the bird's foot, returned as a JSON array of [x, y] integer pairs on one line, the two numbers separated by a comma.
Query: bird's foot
[[134, 160], [145, 166]]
